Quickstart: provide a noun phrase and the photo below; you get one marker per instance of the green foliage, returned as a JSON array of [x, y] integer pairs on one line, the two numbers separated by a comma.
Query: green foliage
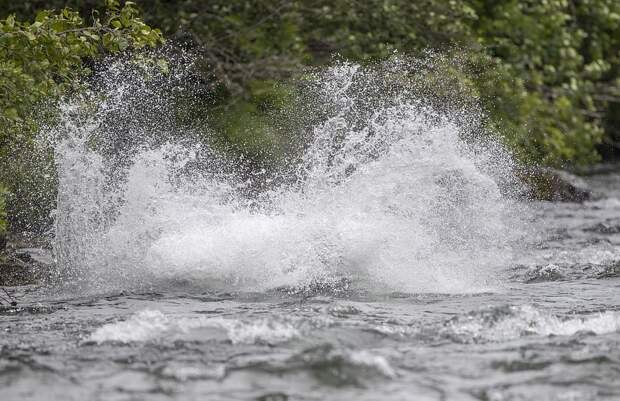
[[39, 61], [547, 71], [45, 58], [563, 59]]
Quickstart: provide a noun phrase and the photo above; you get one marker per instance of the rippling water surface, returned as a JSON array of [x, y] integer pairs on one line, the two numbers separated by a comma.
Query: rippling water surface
[[552, 332], [395, 263]]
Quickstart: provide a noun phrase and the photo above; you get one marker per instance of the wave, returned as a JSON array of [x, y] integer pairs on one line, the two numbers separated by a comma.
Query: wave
[[512, 322], [152, 325]]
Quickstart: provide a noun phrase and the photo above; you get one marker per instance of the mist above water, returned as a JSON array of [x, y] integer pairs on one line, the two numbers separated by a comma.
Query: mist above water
[[384, 192]]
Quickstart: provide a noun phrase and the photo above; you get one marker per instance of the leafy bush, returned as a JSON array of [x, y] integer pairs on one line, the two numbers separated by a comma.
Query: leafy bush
[[40, 61], [548, 72]]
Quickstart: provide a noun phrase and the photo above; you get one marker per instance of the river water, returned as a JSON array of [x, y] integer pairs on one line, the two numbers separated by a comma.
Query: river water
[[397, 266], [552, 332]]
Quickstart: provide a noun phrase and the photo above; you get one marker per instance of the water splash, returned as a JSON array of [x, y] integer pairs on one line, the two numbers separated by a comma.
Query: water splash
[[388, 195]]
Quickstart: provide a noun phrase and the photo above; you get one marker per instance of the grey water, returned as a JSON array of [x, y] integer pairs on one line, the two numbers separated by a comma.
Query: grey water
[[399, 262]]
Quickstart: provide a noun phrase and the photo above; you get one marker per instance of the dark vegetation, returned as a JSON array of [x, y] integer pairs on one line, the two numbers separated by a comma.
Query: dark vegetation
[[547, 72]]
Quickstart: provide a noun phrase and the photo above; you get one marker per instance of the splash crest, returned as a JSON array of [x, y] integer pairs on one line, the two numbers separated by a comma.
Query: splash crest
[[387, 194]]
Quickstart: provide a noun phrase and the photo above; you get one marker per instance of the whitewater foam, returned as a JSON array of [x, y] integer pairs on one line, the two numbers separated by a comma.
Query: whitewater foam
[[512, 322], [152, 325], [390, 195]]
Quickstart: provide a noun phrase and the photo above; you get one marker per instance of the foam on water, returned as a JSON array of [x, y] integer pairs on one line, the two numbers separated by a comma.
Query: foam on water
[[512, 322], [388, 194], [151, 325]]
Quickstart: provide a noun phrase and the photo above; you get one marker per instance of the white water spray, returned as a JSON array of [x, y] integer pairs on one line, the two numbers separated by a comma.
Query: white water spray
[[387, 196]]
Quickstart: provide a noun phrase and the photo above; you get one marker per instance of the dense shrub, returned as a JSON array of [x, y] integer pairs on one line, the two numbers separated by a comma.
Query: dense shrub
[[40, 60], [548, 72]]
